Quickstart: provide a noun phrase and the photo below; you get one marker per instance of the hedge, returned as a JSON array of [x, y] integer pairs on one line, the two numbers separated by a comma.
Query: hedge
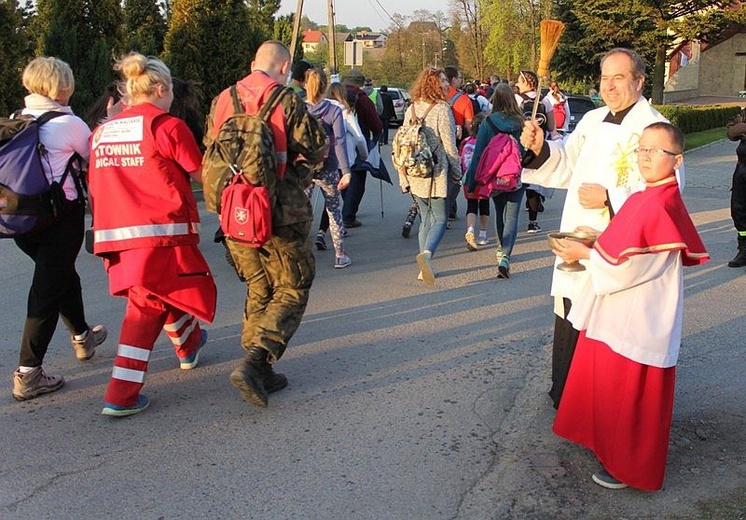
[[697, 118]]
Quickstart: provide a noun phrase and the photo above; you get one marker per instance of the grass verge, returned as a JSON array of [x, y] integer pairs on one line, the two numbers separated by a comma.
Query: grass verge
[[697, 139]]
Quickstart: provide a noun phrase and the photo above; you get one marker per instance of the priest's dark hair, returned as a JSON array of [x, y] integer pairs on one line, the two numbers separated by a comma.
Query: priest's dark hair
[[638, 66]]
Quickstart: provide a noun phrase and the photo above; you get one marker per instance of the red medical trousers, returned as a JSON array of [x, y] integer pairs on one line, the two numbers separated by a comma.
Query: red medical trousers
[[144, 318]]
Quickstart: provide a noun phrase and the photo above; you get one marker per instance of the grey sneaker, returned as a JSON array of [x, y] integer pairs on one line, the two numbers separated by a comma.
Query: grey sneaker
[[603, 478], [32, 384], [503, 268], [86, 348]]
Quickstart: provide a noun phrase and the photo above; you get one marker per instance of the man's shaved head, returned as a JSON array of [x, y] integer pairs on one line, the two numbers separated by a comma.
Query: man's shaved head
[[273, 58]]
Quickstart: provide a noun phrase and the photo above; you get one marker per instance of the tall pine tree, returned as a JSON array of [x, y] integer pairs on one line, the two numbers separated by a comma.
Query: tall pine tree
[[85, 34], [144, 26], [16, 51], [210, 42]]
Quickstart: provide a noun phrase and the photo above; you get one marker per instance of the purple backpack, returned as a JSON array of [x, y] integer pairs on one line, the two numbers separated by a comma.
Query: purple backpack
[[28, 202]]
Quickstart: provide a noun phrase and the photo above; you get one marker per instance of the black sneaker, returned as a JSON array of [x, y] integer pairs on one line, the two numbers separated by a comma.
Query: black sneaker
[[320, 242], [406, 229], [533, 227]]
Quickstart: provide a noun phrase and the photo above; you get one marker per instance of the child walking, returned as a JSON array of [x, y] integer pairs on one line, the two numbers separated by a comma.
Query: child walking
[[474, 203]]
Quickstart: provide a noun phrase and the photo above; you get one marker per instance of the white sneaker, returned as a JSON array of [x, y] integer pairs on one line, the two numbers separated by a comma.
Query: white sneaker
[[340, 262], [483, 241]]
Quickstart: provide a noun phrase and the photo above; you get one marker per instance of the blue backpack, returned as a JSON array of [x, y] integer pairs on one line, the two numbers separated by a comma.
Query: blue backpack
[[28, 202]]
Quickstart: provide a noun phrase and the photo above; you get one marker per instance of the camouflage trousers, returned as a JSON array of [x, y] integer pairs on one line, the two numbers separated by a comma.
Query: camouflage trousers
[[278, 278]]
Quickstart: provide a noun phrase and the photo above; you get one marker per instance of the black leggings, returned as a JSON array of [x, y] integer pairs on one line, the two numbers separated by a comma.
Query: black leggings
[[55, 290], [480, 206]]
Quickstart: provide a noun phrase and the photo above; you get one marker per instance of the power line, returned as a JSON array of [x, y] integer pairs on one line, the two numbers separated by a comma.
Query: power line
[[385, 11]]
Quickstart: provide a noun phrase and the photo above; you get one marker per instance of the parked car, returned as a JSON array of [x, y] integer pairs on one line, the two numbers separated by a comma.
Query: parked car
[[401, 99], [579, 106]]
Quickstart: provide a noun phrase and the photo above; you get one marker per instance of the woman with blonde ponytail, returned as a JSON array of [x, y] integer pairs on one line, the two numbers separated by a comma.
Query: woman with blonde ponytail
[[146, 229], [328, 179]]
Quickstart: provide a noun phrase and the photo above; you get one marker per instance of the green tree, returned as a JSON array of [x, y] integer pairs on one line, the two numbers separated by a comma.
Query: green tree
[[513, 41], [211, 42], [650, 27], [82, 33], [592, 27], [144, 26], [16, 52], [261, 14]]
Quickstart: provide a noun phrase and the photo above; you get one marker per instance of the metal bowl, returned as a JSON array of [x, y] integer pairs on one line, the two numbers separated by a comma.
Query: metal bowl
[[587, 239]]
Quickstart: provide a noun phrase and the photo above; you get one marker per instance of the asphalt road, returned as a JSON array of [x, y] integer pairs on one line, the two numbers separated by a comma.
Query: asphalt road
[[405, 402]]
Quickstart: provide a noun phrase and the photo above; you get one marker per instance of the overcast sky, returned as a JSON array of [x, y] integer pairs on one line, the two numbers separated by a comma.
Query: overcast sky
[[353, 13]]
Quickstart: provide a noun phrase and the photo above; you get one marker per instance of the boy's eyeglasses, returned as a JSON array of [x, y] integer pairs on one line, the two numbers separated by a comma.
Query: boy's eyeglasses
[[657, 152]]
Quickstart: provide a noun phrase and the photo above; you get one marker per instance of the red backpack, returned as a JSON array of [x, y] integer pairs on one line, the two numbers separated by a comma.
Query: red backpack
[[499, 167], [560, 114]]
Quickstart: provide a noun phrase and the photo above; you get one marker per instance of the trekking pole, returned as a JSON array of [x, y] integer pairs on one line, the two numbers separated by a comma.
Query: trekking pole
[[380, 181]]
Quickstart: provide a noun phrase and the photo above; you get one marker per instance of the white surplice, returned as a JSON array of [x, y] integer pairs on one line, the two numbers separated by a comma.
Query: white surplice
[[600, 153]]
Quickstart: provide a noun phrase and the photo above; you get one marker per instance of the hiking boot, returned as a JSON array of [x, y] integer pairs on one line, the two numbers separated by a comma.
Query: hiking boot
[[190, 362], [406, 229], [533, 227], [32, 384], [428, 275], [273, 381], [113, 410], [471, 245], [603, 478], [85, 348], [740, 259], [340, 262], [503, 268], [320, 241], [249, 376]]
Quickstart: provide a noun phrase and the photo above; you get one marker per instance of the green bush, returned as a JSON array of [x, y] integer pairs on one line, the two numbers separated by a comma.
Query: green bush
[[696, 118]]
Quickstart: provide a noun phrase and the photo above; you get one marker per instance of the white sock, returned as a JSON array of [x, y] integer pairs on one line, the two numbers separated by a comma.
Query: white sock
[[482, 233], [470, 229], [80, 337], [25, 370]]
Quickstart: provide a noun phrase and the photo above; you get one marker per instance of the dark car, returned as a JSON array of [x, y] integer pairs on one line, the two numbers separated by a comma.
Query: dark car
[[401, 99], [579, 106]]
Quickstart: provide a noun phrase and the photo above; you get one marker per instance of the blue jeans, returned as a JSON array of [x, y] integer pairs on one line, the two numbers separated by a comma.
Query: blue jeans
[[432, 222], [507, 208]]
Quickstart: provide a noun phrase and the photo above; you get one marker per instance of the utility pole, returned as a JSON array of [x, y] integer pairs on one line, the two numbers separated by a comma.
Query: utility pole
[[296, 30], [332, 41]]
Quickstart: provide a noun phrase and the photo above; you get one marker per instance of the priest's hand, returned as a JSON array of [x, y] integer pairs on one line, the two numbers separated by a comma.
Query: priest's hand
[[532, 136], [571, 251], [592, 196]]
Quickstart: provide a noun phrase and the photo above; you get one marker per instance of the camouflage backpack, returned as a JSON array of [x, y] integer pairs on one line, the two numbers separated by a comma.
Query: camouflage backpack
[[239, 173], [411, 153]]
